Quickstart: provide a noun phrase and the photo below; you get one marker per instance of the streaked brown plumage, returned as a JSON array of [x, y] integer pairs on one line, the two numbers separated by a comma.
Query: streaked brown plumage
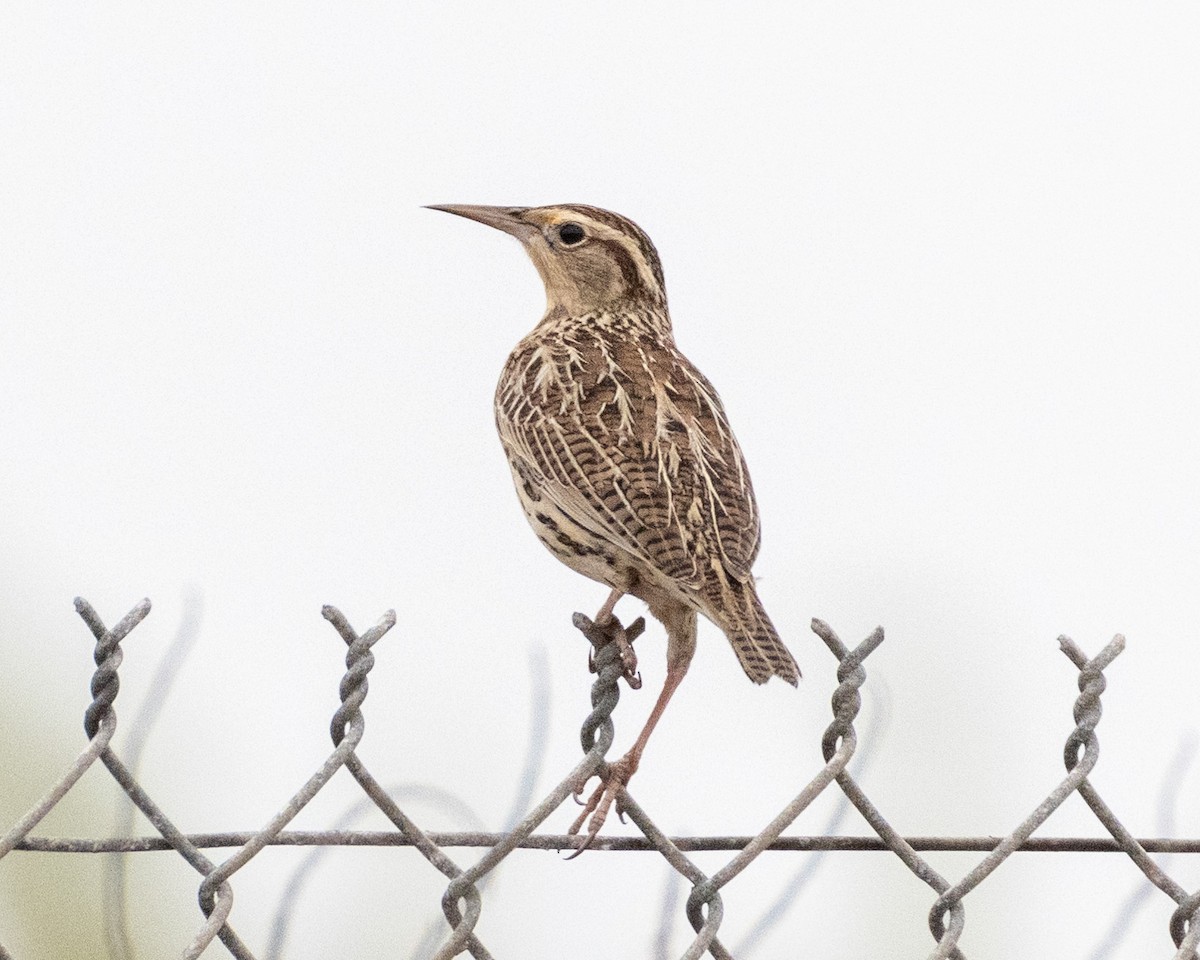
[[622, 456]]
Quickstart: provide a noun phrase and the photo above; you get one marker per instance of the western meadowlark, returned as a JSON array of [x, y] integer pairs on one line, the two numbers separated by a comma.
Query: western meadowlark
[[621, 452]]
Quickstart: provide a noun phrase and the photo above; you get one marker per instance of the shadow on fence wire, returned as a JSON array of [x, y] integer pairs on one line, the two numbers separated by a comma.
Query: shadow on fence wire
[[462, 901]]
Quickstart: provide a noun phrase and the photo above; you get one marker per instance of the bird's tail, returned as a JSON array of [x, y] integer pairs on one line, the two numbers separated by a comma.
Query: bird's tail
[[750, 631]]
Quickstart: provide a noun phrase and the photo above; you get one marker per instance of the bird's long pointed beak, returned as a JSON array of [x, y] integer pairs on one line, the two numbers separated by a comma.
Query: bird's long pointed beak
[[508, 219]]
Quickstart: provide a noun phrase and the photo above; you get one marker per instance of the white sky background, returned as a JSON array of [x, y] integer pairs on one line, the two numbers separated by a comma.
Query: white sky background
[[939, 260]]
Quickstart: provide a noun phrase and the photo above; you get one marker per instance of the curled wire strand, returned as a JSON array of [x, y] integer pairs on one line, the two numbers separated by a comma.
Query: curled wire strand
[[380, 797], [1081, 753], [348, 726], [596, 737], [104, 686], [1185, 921], [855, 794], [839, 741], [115, 907]]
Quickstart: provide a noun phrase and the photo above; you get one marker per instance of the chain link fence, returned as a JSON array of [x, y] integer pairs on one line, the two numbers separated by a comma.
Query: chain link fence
[[462, 902]]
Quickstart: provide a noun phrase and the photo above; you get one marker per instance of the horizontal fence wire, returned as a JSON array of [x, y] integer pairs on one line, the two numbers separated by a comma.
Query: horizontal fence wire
[[559, 842], [462, 901]]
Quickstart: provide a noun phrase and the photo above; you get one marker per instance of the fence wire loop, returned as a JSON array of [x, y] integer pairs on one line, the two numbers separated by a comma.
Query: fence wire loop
[[1185, 927], [703, 904], [611, 659], [359, 661], [1087, 710], [846, 700], [606, 660], [1087, 713], [108, 656]]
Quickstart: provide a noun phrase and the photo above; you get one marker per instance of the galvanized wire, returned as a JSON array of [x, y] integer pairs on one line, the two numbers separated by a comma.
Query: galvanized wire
[[115, 887], [560, 842], [462, 902]]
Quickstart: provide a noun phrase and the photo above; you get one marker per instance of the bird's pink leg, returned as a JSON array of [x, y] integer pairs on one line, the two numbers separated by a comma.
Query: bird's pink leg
[[618, 774], [606, 611]]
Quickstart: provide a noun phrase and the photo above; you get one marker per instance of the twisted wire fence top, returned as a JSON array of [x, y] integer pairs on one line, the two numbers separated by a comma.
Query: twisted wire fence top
[[462, 902]]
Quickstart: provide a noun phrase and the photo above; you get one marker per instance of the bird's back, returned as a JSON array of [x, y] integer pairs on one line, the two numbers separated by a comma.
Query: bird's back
[[604, 418]]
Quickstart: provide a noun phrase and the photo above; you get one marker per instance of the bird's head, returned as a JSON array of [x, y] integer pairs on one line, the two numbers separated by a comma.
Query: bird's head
[[590, 260]]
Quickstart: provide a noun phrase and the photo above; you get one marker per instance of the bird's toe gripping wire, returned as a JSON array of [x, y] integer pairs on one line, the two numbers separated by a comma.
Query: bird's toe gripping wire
[[610, 630], [611, 789]]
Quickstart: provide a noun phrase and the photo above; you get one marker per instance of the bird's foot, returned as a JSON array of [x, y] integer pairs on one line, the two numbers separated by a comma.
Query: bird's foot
[[613, 780], [610, 630], [624, 644]]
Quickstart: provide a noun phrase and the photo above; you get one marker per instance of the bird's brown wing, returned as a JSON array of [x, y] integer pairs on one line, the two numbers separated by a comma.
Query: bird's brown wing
[[722, 476], [624, 435]]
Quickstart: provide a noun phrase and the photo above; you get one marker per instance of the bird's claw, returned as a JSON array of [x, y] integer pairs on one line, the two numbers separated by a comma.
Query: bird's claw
[[611, 631], [631, 633], [628, 659], [610, 791]]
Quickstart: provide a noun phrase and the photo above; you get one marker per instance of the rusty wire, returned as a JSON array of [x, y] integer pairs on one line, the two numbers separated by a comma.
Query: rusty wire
[[462, 902]]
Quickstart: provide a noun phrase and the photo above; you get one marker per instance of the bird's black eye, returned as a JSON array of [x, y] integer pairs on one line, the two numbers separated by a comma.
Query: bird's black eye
[[571, 234]]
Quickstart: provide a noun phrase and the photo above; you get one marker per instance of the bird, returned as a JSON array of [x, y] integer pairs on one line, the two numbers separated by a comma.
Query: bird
[[622, 455]]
